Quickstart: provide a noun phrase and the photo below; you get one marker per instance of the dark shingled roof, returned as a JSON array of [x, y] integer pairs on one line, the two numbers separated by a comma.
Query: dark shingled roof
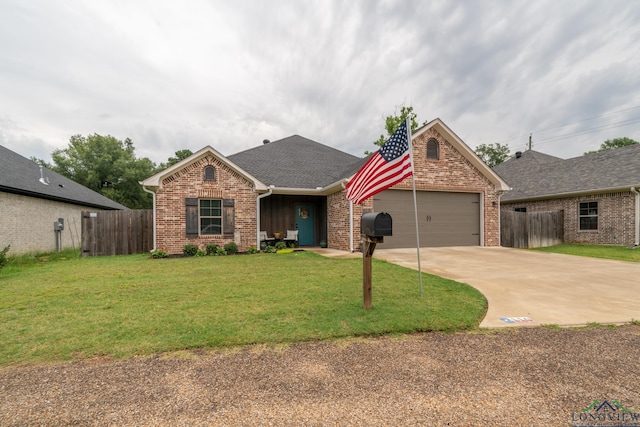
[[536, 175], [20, 175], [297, 162]]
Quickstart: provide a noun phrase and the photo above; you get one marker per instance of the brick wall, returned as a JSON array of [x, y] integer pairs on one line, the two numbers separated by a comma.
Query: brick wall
[[189, 183], [616, 217], [338, 221], [453, 172], [26, 223]]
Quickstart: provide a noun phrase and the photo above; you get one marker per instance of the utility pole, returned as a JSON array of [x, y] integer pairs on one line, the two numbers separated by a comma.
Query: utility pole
[[530, 141]]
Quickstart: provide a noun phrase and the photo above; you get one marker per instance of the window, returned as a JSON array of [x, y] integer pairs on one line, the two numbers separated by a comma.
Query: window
[[520, 209], [210, 216], [588, 215], [209, 173], [432, 149]]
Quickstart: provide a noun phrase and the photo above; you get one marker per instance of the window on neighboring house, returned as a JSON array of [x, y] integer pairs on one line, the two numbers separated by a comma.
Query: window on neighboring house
[[588, 215], [209, 173], [520, 209], [210, 216], [433, 152]]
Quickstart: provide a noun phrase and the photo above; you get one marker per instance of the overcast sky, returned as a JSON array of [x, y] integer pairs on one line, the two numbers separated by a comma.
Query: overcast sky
[[186, 74]]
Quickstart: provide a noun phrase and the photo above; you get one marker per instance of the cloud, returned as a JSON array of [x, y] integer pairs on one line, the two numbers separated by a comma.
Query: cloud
[[230, 74]]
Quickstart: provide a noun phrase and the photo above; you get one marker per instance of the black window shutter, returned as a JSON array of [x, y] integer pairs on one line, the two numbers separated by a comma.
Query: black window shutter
[[228, 217], [192, 217]]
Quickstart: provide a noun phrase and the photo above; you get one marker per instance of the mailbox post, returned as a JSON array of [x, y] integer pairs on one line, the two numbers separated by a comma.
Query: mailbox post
[[373, 226]]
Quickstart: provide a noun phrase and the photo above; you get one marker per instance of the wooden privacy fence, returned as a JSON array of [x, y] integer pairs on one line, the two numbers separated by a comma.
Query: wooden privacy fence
[[117, 232], [531, 229]]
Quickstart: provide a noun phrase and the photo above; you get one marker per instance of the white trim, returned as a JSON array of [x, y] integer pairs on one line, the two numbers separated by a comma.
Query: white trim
[[153, 195], [571, 194], [260, 197], [637, 225], [351, 248], [500, 193], [319, 191], [155, 181], [481, 197]]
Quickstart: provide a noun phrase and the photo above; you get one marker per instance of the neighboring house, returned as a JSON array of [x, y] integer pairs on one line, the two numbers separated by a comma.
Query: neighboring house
[[599, 193], [33, 198], [298, 184]]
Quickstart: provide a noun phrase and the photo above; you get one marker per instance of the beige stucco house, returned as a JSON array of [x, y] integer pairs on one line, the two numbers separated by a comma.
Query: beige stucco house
[[33, 199]]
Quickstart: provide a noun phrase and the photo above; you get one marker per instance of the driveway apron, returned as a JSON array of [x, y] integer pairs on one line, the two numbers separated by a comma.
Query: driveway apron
[[526, 288]]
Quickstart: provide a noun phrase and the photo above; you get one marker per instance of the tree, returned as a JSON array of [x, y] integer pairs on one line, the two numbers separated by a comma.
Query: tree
[[180, 155], [392, 122], [493, 154], [610, 144], [107, 166]]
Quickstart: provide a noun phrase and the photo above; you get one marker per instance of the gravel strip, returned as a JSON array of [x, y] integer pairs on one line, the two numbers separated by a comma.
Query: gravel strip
[[516, 377]]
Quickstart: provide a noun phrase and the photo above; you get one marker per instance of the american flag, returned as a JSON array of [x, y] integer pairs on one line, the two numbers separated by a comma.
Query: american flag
[[387, 167]]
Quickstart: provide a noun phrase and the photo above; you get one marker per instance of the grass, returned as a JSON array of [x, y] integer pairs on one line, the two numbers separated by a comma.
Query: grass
[[69, 307], [622, 253], [589, 325]]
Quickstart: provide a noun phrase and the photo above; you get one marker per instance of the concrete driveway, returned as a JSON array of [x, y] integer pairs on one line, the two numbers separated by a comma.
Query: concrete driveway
[[534, 288]]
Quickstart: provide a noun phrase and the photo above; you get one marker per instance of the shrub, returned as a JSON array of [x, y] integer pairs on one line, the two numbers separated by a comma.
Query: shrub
[[200, 252], [159, 253], [190, 249], [220, 252], [270, 249], [231, 248], [252, 250], [212, 248], [281, 245], [3, 256]]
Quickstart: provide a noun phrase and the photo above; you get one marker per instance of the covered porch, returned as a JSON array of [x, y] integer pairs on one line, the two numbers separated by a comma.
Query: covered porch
[[307, 214]]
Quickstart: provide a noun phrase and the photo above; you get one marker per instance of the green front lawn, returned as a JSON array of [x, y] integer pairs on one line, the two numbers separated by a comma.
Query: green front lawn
[[622, 253], [134, 305]]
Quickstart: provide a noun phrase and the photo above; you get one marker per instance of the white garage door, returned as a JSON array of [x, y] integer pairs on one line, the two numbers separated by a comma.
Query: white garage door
[[444, 219]]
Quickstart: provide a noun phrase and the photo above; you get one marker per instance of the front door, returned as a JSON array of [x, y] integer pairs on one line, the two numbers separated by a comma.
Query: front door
[[306, 224]]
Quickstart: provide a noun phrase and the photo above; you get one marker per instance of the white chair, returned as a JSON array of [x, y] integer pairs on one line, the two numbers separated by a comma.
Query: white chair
[[265, 238], [292, 236]]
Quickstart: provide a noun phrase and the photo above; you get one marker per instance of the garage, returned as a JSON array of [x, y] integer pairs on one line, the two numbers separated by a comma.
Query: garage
[[444, 218]]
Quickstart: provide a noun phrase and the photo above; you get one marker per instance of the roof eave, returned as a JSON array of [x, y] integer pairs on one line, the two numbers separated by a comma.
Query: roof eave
[[573, 193], [318, 191], [154, 182], [59, 199]]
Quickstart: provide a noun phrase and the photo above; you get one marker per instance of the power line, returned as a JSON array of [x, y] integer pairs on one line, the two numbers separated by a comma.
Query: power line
[[591, 130], [570, 123]]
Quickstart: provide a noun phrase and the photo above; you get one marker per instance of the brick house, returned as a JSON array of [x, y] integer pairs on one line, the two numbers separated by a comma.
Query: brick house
[[298, 184], [33, 198], [599, 193]]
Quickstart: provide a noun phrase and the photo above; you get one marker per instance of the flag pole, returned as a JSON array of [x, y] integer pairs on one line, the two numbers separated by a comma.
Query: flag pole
[[415, 202]]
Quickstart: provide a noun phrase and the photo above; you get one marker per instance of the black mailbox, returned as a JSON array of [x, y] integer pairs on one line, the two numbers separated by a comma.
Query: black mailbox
[[376, 224]]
